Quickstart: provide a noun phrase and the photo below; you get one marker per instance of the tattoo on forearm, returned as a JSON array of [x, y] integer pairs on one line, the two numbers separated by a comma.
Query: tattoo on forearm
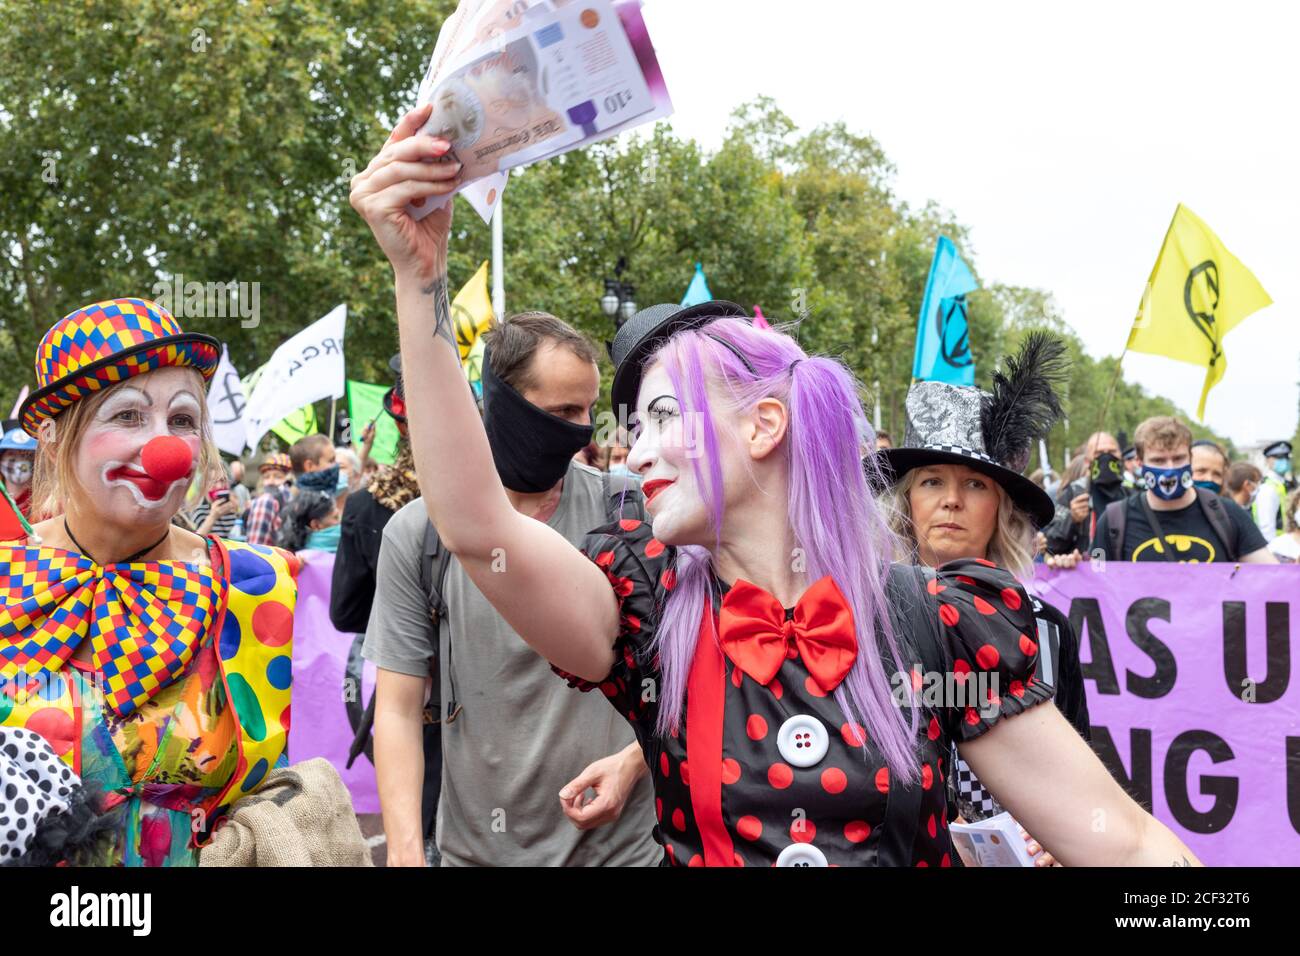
[[442, 326]]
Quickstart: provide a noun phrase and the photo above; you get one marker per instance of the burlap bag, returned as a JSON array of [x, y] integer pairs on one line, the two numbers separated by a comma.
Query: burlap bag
[[300, 816]]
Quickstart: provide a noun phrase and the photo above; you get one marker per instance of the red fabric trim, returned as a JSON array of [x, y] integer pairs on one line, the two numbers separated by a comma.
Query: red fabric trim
[[705, 705]]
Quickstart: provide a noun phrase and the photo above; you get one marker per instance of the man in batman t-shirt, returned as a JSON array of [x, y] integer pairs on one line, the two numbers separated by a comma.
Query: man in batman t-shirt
[[1164, 447]]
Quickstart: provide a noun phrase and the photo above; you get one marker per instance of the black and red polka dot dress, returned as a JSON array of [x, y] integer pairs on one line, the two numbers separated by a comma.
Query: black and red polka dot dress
[[772, 774]]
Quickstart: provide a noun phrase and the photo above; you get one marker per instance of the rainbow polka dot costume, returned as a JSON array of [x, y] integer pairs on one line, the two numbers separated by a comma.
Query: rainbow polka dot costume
[[250, 627]]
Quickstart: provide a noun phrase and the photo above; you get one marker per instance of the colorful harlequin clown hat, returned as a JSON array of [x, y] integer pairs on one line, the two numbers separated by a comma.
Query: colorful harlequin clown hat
[[101, 344], [278, 461]]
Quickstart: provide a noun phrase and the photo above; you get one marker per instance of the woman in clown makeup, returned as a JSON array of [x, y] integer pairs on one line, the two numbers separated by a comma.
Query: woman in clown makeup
[[155, 662], [754, 631]]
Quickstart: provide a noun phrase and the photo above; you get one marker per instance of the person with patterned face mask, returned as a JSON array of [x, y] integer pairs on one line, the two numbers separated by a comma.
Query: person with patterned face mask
[[17, 456], [1172, 519], [110, 652]]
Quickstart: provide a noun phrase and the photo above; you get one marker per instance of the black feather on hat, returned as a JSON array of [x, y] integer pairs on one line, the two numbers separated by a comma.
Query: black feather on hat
[[1023, 405]]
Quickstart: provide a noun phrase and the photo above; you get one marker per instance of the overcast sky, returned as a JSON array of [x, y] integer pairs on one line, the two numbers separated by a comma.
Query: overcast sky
[[1063, 135]]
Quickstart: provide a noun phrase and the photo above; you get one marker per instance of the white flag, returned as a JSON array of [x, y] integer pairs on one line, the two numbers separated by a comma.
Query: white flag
[[305, 369], [22, 397], [226, 404]]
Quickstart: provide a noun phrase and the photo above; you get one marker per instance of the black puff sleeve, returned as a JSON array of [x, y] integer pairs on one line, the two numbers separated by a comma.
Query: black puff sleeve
[[988, 638], [640, 570]]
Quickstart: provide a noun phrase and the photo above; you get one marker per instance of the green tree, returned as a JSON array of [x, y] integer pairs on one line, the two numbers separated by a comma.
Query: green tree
[[145, 139]]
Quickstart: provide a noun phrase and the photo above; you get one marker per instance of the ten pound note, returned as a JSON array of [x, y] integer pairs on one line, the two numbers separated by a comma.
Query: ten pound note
[[515, 82]]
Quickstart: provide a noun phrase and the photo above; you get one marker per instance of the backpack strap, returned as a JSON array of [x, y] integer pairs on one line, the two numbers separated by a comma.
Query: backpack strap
[[1166, 546], [1116, 519], [1223, 525], [435, 560]]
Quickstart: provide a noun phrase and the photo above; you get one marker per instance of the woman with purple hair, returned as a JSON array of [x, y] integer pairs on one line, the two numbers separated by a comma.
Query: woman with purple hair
[[755, 633]]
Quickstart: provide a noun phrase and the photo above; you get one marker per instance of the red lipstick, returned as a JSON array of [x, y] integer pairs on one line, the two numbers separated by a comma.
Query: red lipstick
[[651, 488]]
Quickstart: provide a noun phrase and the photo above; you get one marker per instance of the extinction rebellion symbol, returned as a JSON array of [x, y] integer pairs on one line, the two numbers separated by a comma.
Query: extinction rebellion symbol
[[1202, 289], [954, 336]]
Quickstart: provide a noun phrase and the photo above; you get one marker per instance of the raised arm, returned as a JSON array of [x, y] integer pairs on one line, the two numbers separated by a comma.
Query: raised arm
[[556, 599], [1068, 801]]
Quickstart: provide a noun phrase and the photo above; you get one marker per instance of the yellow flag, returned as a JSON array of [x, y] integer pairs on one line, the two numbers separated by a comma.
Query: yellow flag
[[474, 366], [471, 311], [297, 425], [1198, 292]]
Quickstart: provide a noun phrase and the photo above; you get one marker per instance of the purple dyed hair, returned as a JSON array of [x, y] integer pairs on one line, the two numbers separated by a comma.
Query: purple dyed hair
[[834, 517]]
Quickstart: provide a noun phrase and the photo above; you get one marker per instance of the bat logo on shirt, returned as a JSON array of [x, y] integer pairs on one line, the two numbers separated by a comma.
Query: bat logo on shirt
[[1188, 549]]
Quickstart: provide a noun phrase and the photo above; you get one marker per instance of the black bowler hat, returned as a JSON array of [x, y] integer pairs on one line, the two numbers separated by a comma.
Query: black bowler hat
[[640, 335]]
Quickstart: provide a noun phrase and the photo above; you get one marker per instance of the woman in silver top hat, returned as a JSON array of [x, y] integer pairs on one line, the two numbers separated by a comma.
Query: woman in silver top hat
[[953, 497]]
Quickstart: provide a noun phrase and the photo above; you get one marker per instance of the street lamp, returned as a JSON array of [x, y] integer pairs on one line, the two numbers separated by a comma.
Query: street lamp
[[609, 302], [627, 308], [619, 300]]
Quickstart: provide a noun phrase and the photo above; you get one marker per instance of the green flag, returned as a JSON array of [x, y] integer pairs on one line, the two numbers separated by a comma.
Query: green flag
[[366, 404]]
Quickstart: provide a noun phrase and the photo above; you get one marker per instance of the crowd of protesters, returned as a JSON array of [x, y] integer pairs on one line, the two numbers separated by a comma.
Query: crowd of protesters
[[570, 635]]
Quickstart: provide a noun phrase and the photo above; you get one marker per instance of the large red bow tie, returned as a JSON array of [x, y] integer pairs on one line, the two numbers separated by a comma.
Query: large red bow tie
[[757, 637]]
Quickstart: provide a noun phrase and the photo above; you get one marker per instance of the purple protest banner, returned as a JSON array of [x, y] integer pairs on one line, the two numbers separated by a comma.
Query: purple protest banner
[[1188, 671], [330, 684]]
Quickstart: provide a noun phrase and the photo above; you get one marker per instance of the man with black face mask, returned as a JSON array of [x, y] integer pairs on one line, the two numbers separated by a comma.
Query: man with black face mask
[[513, 737], [1081, 502]]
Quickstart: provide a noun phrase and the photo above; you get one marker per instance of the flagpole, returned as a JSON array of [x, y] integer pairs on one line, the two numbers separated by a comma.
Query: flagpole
[[1105, 406], [498, 263], [333, 405], [1110, 392], [875, 338]]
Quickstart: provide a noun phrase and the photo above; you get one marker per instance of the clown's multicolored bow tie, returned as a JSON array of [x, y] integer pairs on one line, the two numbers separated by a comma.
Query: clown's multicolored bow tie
[[144, 620]]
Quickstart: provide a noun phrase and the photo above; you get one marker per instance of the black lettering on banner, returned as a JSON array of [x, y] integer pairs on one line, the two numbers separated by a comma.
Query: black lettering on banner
[[1225, 790], [1100, 667], [1138, 783], [294, 367], [1293, 781], [1277, 650], [1162, 681], [331, 346], [309, 352]]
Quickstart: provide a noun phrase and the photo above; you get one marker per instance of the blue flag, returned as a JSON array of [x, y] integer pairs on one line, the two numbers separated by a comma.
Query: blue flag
[[698, 290], [942, 335]]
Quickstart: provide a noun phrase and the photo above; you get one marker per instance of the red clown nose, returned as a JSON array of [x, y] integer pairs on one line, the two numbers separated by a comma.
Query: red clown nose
[[166, 458]]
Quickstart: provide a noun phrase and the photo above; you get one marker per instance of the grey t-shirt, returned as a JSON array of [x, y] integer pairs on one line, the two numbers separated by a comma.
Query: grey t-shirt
[[521, 734]]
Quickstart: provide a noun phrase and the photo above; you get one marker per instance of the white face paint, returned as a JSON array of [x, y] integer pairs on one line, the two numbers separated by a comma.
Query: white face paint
[[665, 453], [108, 466]]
